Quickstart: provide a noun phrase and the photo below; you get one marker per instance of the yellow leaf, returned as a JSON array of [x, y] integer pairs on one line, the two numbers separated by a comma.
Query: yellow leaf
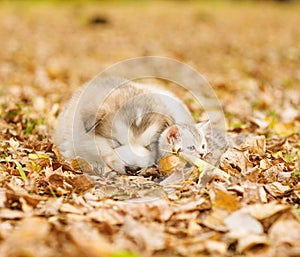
[[226, 201], [35, 156], [168, 163], [285, 129]]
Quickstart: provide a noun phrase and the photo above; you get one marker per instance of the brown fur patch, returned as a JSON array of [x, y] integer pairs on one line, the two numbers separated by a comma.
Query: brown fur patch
[[125, 100], [151, 118]]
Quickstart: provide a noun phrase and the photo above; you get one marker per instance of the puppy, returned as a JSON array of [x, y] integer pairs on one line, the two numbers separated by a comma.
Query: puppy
[[124, 125]]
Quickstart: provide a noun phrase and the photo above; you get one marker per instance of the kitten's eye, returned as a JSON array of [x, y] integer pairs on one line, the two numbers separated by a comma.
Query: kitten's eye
[[115, 143], [203, 147], [191, 148]]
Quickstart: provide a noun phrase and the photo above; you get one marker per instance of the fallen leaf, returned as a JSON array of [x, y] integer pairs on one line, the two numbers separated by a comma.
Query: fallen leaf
[[234, 161], [251, 242], [28, 240], [89, 241], [264, 211], [276, 189], [3, 198], [226, 201], [215, 220], [110, 216], [148, 238], [254, 193], [255, 145], [192, 204], [69, 208], [215, 247], [242, 222], [83, 165], [169, 163], [285, 231], [11, 214]]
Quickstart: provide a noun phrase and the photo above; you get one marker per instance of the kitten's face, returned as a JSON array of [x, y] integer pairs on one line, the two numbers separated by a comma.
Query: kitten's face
[[185, 138]]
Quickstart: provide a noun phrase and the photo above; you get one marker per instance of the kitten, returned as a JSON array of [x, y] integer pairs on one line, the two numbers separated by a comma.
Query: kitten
[[117, 123], [186, 138], [200, 140]]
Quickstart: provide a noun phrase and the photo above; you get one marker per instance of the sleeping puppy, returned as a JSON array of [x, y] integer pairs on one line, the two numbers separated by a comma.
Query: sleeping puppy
[[124, 125]]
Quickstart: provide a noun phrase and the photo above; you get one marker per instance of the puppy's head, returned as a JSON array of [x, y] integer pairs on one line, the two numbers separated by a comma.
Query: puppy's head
[[128, 144]]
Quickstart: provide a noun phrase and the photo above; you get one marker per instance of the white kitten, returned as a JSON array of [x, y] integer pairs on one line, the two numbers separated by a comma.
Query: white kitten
[[200, 140], [186, 138]]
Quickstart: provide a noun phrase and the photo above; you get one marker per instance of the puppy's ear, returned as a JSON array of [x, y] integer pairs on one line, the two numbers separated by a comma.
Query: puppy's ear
[[90, 121], [173, 135]]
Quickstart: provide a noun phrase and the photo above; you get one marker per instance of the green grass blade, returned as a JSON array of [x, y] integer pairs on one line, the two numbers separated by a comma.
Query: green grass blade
[[21, 171]]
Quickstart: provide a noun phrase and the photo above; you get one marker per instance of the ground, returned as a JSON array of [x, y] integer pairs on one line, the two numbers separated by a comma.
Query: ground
[[248, 51]]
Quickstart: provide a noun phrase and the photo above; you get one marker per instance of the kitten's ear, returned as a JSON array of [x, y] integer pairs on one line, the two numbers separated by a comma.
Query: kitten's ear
[[90, 121], [204, 126], [173, 135]]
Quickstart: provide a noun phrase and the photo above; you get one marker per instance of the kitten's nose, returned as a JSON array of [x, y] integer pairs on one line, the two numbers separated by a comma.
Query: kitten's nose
[[201, 155], [132, 169]]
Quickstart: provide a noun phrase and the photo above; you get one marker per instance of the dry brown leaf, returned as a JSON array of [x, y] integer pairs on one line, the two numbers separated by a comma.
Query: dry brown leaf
[[192, 204], [50, 207], [89, 241], [160, 209], [276, 189], [275, 144], [71, 208], [11, 214], [194, 228], [80, 182], [285, 231], [242, 222], [215, 247], [149, 195], [3, 198], [189, 248], [148, 237], [175, 177], [236, 188], [184, 216], [29, 238], [271, 174], [260, 122], [254, 193], [110, 216], [265, 164], [255, 145], [226, 201], [234, 161], [73, 217], [215, 220], [249, 243], [6, 228], [81, 164], [264, 211]]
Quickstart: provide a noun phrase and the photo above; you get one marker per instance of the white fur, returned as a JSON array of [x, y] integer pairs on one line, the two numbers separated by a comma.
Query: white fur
[[120, 148]]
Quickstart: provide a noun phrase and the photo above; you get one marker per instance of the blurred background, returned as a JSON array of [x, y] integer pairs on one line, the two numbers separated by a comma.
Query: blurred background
[[249, 51]]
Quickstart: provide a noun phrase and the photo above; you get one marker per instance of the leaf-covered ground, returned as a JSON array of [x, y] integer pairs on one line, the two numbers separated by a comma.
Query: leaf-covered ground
[[250, 54]]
